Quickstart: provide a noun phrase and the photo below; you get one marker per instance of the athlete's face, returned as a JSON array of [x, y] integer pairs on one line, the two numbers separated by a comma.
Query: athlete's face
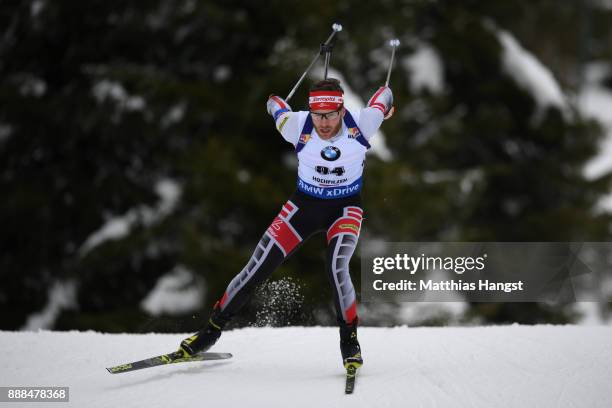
[[327, 123]]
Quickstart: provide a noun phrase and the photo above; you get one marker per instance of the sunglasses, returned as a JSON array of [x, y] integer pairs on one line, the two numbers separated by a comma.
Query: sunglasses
[[329, 115]]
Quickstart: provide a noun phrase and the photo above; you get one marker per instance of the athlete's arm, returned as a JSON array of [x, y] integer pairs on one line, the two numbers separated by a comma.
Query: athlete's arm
[[382, 100], [379, 108], [287, 122]]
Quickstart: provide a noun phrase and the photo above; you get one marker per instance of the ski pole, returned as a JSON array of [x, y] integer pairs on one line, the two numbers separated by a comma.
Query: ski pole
[[336, 28], [394, 43], [327, 49], [327, 57]]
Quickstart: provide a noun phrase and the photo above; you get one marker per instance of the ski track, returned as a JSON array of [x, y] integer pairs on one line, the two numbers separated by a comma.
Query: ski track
[[497, 366]]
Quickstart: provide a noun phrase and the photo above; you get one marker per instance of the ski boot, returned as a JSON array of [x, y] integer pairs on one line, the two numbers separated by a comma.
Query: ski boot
[[349, 345], [205, 337]]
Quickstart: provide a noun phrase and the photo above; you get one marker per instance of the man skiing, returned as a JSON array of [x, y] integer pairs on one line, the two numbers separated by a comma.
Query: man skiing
[[331, 144]]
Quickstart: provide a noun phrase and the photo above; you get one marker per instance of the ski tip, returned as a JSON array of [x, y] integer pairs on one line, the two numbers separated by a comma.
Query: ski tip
[[351, 373], [114, 370], [350, 387]]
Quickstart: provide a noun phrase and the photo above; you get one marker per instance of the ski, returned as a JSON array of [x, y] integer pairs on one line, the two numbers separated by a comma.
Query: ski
[[351, 373], [171, 358]]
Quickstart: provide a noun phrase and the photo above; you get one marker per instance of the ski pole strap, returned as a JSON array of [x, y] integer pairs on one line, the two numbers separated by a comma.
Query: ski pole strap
[[327, 48]]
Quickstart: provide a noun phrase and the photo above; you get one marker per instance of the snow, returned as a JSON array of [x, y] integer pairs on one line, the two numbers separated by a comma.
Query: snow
[[36, 7], [113, 90], [243, 176], [33, 86], [353, 102], [604, 4], [591, 314], [595, 101], [177, 292], [222, 73], [5, 132], [419, 313], [425, 69], [169, 192], [62, 295], [119, 227], [276, 301], [174, 115], [504, 366], [529, 73], [114, 229]]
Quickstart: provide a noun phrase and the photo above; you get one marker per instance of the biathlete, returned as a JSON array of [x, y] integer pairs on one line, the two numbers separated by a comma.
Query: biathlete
[[331, 144]]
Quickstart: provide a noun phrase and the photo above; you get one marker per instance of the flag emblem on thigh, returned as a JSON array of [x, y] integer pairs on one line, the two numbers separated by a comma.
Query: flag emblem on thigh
[[349, 223]]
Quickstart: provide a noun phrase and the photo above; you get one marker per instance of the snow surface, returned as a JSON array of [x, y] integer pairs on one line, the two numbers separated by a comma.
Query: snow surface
[[503, 366]]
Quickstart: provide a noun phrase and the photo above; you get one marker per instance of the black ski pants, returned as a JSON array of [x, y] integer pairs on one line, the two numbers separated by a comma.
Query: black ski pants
[[301, 217]]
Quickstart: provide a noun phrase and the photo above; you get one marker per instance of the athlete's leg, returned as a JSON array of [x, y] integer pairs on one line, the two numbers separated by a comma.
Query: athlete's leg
[[276, 244], [342, 237], [287, 231]]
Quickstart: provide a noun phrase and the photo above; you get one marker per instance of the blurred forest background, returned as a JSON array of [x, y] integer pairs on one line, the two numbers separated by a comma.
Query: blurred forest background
[[138, 166]]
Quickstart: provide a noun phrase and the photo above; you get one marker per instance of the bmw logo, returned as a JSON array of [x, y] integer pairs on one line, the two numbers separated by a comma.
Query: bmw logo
[[330, 153]]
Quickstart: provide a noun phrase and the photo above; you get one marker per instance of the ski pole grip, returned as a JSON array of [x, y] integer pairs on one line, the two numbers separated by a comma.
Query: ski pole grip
[[325, 48], [336, 29], [394, 43]]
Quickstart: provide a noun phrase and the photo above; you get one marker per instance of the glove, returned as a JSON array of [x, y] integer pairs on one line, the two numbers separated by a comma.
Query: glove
[[277, 106], [382, 100], [390, 113]]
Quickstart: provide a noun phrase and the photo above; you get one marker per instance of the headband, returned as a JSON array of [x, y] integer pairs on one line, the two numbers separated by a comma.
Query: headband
[[325, 100]]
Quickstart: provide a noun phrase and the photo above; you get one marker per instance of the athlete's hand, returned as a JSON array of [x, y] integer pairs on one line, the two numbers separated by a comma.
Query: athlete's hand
[[382, 100], [390, 113], [277, 106]]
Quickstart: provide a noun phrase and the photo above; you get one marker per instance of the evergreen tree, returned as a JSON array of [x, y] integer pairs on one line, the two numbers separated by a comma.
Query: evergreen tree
[[101, 102]]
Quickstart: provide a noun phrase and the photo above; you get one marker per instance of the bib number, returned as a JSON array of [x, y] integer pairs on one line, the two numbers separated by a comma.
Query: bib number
[[338, 171]]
